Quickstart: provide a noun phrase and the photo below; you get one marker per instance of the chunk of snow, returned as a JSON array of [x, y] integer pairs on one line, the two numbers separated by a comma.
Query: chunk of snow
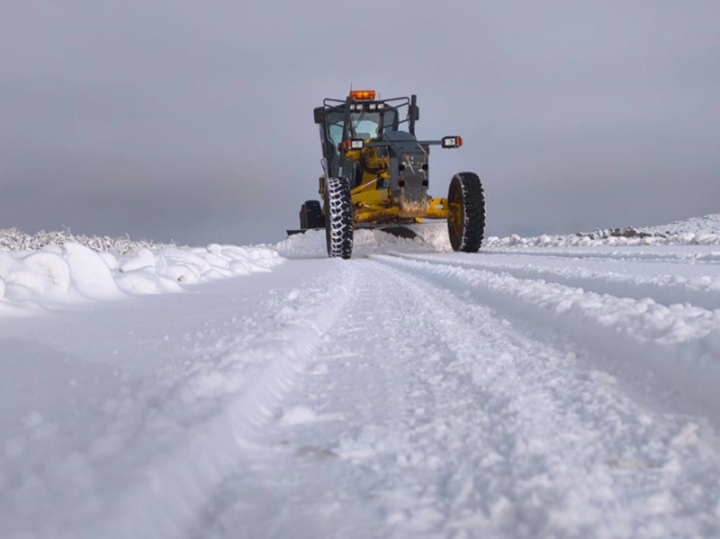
[[92, 277], [142, 259], [298, 416]]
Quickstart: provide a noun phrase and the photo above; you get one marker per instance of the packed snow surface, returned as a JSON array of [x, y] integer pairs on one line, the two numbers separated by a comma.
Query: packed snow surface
[[559, 386]]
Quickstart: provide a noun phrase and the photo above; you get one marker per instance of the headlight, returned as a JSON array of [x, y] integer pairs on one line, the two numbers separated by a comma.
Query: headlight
[[353, 144]]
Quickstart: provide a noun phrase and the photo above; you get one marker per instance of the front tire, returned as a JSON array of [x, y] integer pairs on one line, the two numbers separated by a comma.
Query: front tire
[[338, 218], [466, 218]]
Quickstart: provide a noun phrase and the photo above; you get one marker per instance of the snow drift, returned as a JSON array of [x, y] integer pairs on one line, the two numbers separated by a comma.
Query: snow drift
[[48, 269], [54, 269]]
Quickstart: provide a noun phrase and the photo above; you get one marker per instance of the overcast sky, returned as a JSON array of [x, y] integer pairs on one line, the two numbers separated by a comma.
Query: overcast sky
[[192, 121]]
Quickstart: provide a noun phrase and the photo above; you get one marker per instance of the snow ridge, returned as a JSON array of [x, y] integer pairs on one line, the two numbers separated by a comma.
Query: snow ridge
[[194, 471], [49, 269], [33, 280], [683, 340]]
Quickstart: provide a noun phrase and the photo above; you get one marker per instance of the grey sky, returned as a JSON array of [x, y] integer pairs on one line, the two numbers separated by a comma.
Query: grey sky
[[193, 120]]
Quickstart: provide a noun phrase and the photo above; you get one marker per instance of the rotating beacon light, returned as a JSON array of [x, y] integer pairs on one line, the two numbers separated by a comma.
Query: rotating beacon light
[[362, 95]]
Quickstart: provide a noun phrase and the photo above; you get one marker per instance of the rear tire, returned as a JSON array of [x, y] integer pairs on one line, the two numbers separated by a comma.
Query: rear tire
[[311, 215], [303, 217], [338, 218], [466, 219]]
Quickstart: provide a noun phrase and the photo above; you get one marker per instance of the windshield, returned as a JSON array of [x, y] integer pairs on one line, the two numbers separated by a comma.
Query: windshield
[[363, 124]]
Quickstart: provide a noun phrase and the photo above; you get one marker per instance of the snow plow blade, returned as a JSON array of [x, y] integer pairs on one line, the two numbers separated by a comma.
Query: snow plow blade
[[399, 231], [300, 231], [395, 230]]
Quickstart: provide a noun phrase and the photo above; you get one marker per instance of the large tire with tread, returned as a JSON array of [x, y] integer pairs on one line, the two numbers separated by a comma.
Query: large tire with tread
[[466, 219], [338, 218], [303, 217], [311, 215]]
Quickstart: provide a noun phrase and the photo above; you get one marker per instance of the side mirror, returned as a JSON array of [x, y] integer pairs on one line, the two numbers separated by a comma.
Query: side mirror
[[319, 114], [452, 142], [414, 113]]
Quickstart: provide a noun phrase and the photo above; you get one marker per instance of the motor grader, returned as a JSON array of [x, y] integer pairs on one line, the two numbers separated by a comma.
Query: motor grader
[[376, 175]]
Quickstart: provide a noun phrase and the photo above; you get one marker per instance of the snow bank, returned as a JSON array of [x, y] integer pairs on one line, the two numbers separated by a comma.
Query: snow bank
[[12, 239], [433, 237], [695, 231], [709, 224], [51, 268], [37, 272]]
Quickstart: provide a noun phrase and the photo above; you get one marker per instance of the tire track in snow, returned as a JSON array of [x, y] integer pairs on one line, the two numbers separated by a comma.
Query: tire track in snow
[[456, 424], [161, 495], [569, 449], [680, 343], [694, 254], [357, 362], [663, 288]]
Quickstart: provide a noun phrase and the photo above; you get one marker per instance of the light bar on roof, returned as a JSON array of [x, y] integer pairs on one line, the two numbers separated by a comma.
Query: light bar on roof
[[362, 95]]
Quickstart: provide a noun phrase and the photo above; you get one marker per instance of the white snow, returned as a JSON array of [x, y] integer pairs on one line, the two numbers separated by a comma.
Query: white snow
[[57, 270], [695, 231], [559, 386]]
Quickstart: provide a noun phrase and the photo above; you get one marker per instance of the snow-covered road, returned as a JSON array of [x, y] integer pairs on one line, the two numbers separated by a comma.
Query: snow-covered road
[[549, 392]]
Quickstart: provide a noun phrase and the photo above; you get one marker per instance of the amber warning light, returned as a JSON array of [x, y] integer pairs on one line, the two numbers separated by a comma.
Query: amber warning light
[[452, 142], [362, 94]]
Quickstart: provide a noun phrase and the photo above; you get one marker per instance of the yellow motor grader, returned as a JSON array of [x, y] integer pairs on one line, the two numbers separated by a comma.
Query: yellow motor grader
[[376, 175]]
